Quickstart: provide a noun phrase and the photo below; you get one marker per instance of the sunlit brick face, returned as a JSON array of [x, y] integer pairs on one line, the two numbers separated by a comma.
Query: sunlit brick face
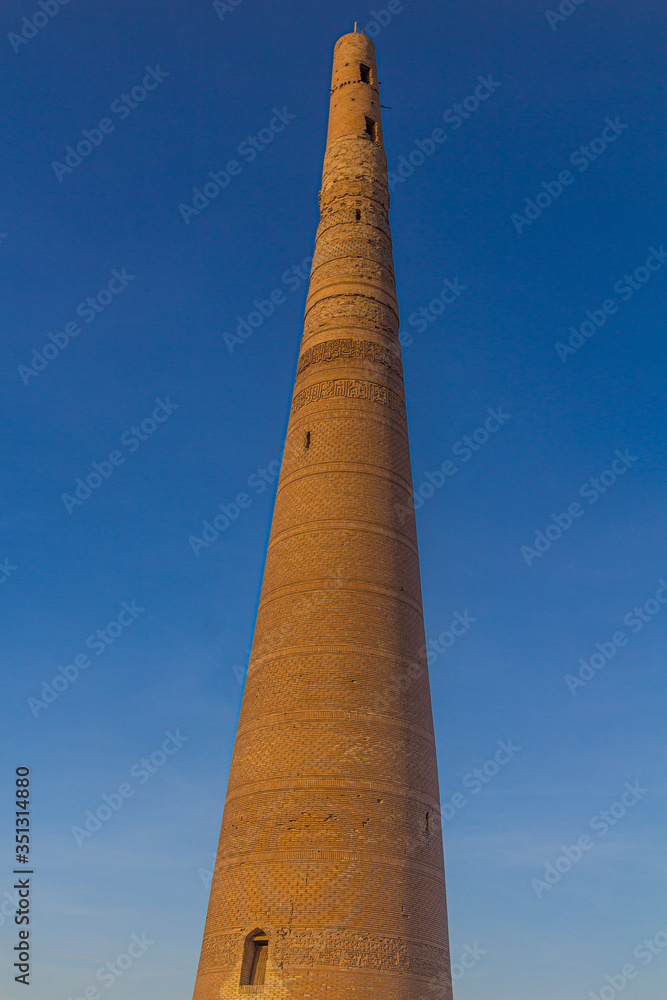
[[329, 878]]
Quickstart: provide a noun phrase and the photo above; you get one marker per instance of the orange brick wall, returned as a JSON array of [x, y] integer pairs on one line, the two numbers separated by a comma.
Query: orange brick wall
[[330, 840]]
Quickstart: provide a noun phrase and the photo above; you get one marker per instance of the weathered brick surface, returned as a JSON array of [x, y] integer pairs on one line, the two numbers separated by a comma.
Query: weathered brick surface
[[353, 681], [330, 842]]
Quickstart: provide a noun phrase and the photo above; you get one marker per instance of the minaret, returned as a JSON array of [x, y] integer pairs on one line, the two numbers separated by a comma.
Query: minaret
[[329, 879]]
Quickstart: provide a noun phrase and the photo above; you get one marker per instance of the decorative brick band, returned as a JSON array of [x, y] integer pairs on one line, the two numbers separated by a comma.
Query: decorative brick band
[[329, 586], [329, 714], [353, 247], [291, 784], [340, 647], [350, 350], [373, 213], [351, 388], [323, 857], [221, 950], [337, 947], [355, 950], [331, 524]]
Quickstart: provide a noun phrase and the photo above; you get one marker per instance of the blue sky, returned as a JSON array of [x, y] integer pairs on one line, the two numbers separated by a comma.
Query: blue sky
[[209, 414]]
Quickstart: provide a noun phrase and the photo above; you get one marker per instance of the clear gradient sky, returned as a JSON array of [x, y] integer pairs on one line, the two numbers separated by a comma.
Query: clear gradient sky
[[577, 96]]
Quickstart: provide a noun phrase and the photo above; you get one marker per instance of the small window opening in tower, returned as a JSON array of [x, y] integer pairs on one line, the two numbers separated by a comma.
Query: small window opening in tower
[[358, 214], [255, 953], [365, 73], [372, 129], [307, 441]]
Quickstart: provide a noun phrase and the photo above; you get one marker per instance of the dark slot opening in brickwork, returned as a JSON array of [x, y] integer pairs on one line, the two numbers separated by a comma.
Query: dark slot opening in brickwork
[[307, 442], [365, 73], [255, 952], [372, 129], [358, 213]]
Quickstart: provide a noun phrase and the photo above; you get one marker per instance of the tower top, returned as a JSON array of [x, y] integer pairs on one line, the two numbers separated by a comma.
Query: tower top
[[355, 95], [359, 36]]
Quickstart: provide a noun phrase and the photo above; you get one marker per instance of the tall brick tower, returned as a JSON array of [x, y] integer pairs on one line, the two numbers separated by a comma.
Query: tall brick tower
[[329, 879]]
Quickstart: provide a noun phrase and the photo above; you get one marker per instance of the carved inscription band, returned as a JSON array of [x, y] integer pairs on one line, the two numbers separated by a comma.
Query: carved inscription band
[[366, 350], [351, 388], [337, 948]]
